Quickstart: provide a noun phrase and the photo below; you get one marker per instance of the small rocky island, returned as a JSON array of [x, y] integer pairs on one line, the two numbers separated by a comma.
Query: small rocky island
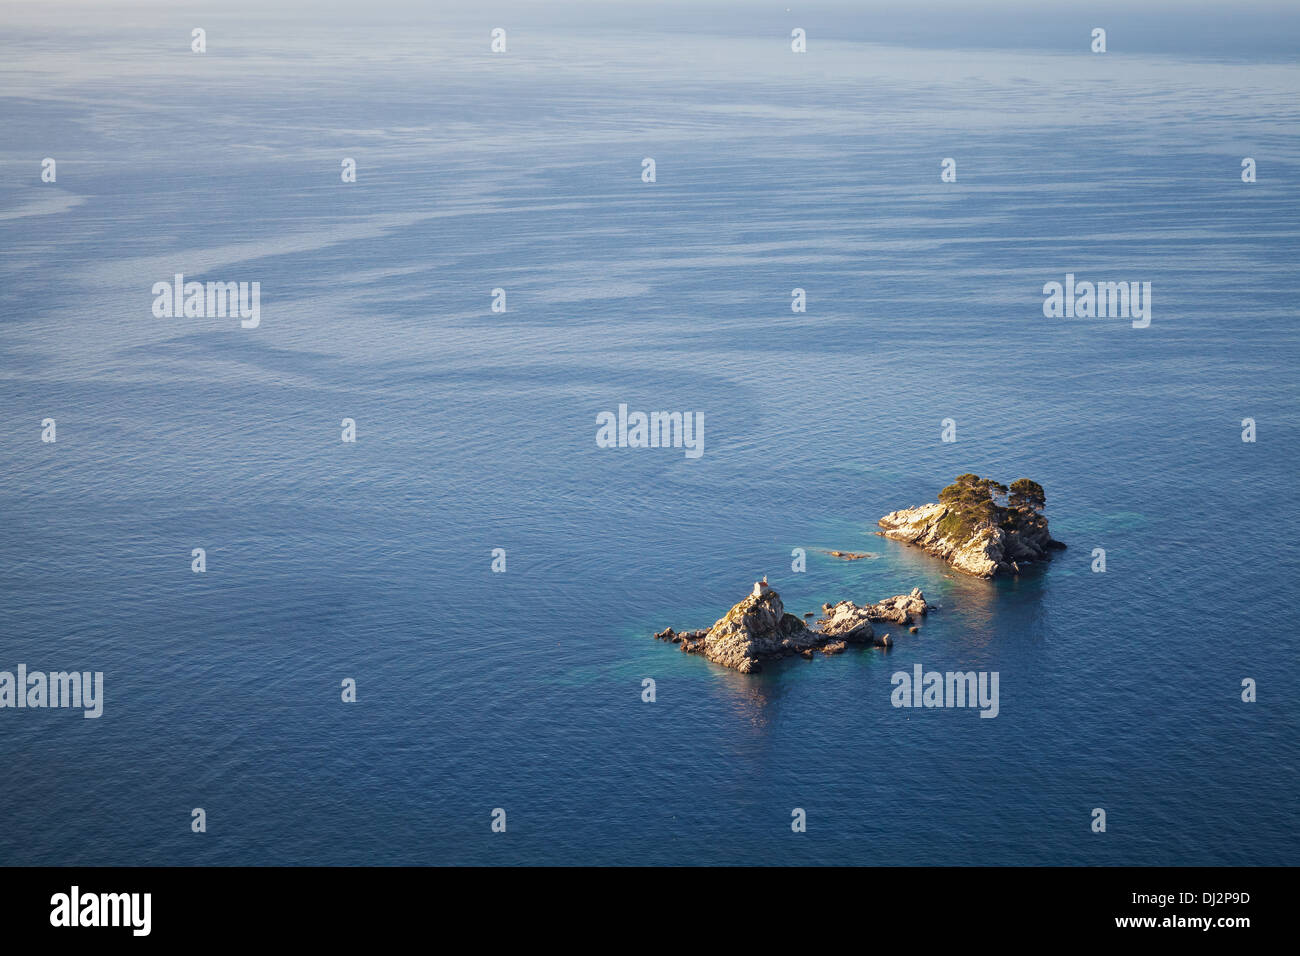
[[979, 526], [758, 629]]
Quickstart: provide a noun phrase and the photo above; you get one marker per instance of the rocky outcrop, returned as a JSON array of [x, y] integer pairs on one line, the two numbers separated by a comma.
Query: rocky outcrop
[[984, 549], [758, 629], [982, 553], [901, 609], [847, 621]]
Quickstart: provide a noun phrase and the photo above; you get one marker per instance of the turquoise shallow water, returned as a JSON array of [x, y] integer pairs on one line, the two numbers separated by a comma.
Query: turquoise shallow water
[[476, 431]]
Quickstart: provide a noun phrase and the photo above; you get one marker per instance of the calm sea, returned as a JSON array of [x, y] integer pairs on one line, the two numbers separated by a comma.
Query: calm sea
[[476, 430]]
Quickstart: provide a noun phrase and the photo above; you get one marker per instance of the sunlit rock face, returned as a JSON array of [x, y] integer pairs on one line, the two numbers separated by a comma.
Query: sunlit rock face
[[995, 539], [758, 628]]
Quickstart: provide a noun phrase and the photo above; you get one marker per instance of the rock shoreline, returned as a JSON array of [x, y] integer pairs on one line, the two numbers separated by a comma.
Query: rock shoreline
[[978, 536], [758, 628], [979, 526]]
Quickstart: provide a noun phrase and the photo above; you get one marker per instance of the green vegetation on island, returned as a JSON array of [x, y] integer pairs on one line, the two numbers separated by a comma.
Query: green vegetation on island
[[974, 503]]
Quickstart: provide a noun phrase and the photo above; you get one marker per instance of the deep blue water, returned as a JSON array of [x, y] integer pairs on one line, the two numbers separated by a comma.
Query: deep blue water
[[476, 431]]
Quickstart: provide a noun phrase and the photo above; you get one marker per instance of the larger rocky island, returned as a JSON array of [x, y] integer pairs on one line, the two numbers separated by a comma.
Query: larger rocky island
[[978, 526], [759, 628]]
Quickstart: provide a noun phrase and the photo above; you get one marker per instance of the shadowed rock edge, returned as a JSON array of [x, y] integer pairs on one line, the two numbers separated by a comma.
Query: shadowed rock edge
[[758, 628]]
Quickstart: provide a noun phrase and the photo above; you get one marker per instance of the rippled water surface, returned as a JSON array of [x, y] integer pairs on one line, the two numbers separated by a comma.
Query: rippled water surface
[[476, 431]]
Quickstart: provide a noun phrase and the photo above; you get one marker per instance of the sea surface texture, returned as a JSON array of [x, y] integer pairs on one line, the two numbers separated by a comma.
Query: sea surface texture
[[476, 430]]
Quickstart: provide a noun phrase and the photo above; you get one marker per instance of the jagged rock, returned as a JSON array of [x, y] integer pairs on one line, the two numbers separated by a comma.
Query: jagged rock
[[758, 628], [900, 609], [848, 622], [980, 547], [852, 622]]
